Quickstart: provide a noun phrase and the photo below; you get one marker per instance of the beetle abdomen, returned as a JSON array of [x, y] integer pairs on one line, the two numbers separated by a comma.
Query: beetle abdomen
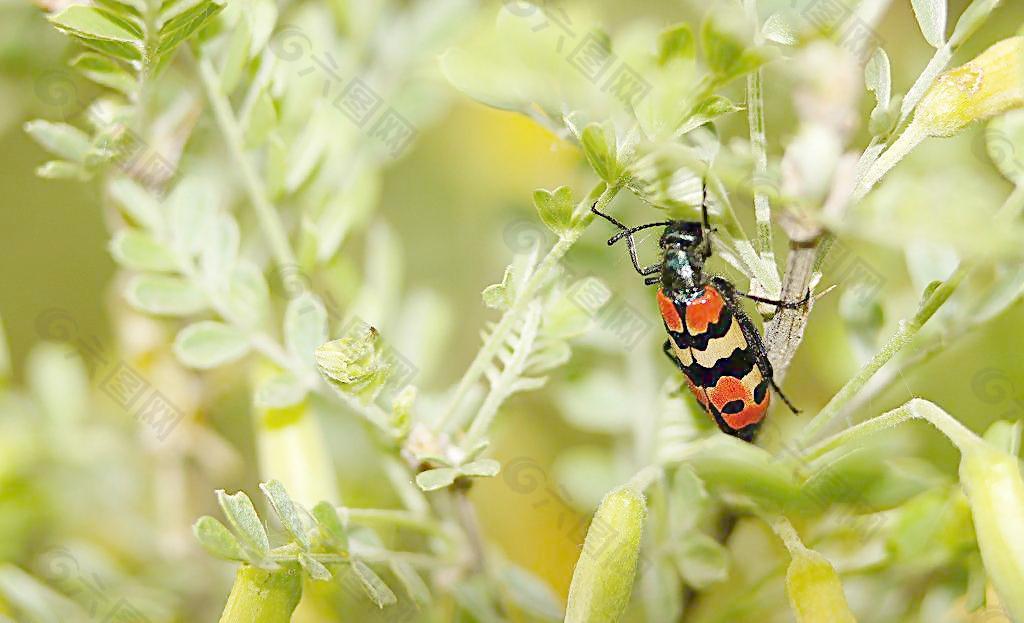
[[720, 367]]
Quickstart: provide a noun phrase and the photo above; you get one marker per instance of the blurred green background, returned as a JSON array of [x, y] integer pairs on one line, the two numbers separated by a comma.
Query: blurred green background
[[455, 201]]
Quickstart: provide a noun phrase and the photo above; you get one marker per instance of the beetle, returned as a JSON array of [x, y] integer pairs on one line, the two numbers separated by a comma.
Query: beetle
[[711, 339]]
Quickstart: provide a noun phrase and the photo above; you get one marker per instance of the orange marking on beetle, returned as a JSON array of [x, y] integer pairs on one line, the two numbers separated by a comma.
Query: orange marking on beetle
[[704, 311], [698, 392], [669, 312], [730, 388]]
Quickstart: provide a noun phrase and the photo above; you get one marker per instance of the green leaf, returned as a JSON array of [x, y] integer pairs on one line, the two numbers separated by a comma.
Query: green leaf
[[136, 202], [275, 166], [599, 146], [262, 120], [434, 479], [248, 296], [676, 42], [779, 28], [481, 467], [192, 205], [410, 580], [101, 30], [236, 56], [279, 392], [726, 463], [475, 596], [60, 139], [305, 327], [378, 592], [63, 170], [1004, 139], [531, 593], [314, 567], [183, 26], [131, 10], [708, 110], [164, 295], [263, 14], [971, 19], [721, 43], [219, 250], [347, 209], [329, 526], [217, 539], [139, 251], [285, 509], [472, 72], [105, 72], [85, 21], [208, 344], [555, 209], [702, 561], [1005, 435], [1007, 290], [878, 77], [931, 16], [500, 295], [242, 516]]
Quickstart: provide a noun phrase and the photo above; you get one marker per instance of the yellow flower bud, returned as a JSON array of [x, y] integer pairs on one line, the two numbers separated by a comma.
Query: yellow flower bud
[[815, 592], [991, 479], [603, 579], [991, 84]]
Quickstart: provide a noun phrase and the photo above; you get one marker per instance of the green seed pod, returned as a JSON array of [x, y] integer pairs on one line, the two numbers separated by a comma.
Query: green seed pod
[[815, 592], [260, 596], [603, 579], [991, 84], [992, 481]]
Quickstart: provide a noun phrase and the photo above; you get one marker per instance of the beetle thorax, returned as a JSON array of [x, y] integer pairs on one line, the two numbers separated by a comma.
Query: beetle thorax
[[681, 273]]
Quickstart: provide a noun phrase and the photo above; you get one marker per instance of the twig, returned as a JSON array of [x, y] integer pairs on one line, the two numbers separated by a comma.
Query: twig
[[269, 220], [907, 329], [509, 320], [470, 524], [758, 143]]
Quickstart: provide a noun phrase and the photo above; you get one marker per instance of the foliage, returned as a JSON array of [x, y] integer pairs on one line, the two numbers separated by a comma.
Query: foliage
[[245, 203]]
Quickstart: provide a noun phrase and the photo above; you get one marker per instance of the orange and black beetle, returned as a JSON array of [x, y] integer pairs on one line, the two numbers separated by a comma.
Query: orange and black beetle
[[712, 341]]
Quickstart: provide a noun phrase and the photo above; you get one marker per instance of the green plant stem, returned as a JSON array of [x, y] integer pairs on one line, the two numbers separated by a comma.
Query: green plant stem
[[523, 298], [366, 554], [787, 534], [388, 517], [931, 71], [646, 477], [917, 408], [269, 220], [296, 454], [260, 596], [907, 329], [743, 249], [504, 385], [759, 145], [910, 138]]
